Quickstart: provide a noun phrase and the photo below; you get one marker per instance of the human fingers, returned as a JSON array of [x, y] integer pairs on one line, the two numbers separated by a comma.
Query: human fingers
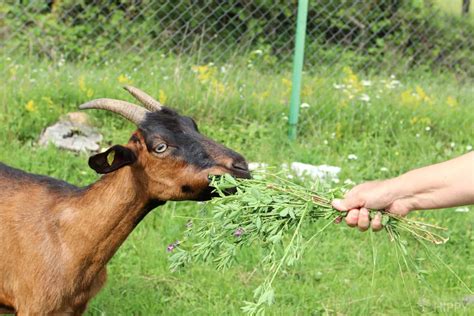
[[363, 221], [376, 223], [352, 217]]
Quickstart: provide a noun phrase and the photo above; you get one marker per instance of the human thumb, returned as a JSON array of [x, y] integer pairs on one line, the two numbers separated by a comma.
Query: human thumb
[[340, 205]]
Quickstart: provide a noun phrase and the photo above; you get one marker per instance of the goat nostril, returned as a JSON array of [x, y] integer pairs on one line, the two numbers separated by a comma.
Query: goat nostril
[[240, 165]]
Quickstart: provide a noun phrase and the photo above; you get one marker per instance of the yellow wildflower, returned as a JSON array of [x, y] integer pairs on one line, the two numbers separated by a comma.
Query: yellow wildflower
[[452, 102], [264, 94], [90, 93], [425, 121], [204, 73], [306, 91], [162, 97], [286, 83], [218, 86], [422, 95], [123, 79], [82, 83], [30, 106], [409, 98], [420, 120], [352, 80]]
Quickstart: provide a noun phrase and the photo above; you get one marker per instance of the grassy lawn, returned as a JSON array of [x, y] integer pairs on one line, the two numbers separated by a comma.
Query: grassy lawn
[[409, 121]]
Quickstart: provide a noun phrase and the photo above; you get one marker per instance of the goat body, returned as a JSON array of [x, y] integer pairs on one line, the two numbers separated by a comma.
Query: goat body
[[56, 238]]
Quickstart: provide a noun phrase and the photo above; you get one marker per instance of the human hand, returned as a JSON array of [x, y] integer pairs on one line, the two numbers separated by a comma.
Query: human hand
[[374, 195]]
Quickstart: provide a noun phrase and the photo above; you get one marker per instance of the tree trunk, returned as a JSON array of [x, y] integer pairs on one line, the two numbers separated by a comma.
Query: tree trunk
[[465, 7]]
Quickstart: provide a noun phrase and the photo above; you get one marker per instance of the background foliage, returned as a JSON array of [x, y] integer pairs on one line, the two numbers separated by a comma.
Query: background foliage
[[390, 33]]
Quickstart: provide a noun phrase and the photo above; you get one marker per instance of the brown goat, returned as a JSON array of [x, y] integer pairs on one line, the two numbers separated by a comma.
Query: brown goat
[[56, 238]]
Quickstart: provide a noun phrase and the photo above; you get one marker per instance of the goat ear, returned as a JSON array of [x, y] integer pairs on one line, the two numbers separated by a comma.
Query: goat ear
[[114, 158]]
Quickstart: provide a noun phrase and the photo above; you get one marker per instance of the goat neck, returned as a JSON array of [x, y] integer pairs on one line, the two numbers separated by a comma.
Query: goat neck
[[105, 214]]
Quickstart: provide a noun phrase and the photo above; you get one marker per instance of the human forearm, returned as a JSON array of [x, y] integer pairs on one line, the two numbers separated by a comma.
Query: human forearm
[[446, 184]]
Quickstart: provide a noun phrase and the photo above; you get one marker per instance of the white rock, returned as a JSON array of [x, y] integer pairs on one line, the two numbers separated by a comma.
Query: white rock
[[72, 133], [257, 165], [321, 172]]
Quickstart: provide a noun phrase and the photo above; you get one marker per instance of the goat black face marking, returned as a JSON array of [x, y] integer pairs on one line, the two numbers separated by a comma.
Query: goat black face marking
[[179, 132]]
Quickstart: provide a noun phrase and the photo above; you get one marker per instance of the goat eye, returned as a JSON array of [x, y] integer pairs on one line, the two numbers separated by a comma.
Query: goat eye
[[161, 148]]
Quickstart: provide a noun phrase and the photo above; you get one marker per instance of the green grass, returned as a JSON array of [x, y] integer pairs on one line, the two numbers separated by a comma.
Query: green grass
[[347, 272]]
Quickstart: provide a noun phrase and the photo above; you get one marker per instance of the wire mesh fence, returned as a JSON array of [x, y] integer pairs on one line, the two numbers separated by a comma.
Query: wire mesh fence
[[375, 34]]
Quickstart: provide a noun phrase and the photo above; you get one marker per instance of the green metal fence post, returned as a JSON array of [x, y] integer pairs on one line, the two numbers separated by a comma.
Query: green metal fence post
[[297, 67]]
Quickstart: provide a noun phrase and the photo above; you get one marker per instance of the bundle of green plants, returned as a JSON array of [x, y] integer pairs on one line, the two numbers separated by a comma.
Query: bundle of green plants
[[269, 211]]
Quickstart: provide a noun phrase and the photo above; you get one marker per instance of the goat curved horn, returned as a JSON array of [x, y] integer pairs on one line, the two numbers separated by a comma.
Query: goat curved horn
[[130, 111], [147, 101]]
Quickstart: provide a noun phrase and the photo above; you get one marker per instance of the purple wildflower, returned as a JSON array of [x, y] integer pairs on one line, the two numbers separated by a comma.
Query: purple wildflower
[[238, 232], [172, 246]]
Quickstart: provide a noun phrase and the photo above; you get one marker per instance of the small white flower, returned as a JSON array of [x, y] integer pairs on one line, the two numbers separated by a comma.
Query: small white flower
[[364, 97], [352, 157], [304, 106], [349, 182], [326, 142], [427, 128], [468, 147], [223, 69], [284, 118], [393, 84], [258, 52], [211, 64], [335, 180], [417, 135], [333, 135], [384, 169], [338, 86], [464, 209], [290, 176], [392, 76], [452, 144], [366, 83]]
